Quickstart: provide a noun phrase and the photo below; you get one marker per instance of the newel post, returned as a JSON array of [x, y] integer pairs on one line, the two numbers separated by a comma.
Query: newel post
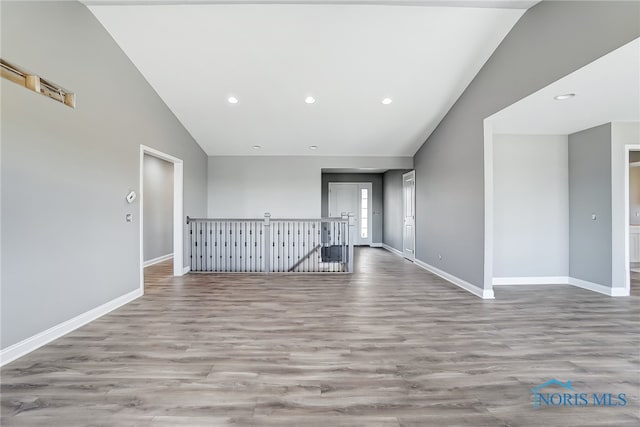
[[352, 236], [266, 256]]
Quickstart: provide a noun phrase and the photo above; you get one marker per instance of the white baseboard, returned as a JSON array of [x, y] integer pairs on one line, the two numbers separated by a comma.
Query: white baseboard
[[561, 280], [620, 292], [30, 344], [375, 245], [534, 280], [186, 269], [392, 250], [482, 293], [596, 287], [158, 260]]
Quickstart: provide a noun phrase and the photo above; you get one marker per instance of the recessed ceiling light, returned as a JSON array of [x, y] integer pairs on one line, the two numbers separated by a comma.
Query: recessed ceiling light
[[313, 147], [232, 100], [257, 147], [387, 101], [564, 96], [309, 100]]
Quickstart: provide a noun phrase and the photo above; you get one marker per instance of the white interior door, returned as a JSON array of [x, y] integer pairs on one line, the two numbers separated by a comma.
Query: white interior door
[[355, 198], [409, 215]]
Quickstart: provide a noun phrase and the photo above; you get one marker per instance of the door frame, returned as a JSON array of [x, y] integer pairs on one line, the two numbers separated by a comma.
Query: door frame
[[369, 186], [627, 190], [404, 205], [178, 200]]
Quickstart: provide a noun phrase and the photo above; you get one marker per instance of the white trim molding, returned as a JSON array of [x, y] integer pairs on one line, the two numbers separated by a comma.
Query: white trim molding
[[482, 293], [619, 292], [375, 245], [392, 250], [533, 280], [561, 280], [409, 177], [30, 344], [488, 202], [158, 260], [601, 289], [186, 270]]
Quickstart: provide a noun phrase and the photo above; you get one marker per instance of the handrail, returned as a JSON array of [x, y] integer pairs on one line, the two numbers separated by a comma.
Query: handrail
[[189, 219], [326, 219]]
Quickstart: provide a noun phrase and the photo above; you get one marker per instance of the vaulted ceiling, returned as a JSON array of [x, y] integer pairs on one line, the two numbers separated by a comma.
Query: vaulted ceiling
[[347, 56]]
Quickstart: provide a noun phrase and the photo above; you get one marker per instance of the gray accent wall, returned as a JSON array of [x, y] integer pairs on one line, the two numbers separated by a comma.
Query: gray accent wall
[[158, 207], [551, 40], [392, 196], [376, 197], [590, 194], [66, 247], [634, 156], [530, 206], [634, 195]]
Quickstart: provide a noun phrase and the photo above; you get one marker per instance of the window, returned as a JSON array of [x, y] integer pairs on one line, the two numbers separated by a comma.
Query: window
[[364, 213]]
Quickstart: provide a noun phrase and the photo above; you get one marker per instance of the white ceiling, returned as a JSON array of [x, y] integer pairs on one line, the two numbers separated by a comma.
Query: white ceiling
[[505, 4], [607, 90], [271, 56]]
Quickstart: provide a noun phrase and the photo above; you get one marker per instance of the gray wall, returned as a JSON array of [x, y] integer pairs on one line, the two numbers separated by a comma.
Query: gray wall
[[530, 206], [634, 195], [551, 40], [66, 247], [285, 186], [590, 194], [158, 207], [247, 187], [376, 197], [392, 196], [634, 156]]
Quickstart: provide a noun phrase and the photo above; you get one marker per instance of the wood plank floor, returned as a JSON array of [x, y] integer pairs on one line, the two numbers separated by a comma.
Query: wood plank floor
[[390, 345]]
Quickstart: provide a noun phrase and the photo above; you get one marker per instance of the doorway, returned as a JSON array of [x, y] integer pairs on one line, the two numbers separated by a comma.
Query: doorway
[[409, 215], [353, 198], [158, 211], [632, 214], [178, 227]]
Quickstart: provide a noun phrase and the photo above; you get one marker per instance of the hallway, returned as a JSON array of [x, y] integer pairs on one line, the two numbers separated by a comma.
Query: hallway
[[389, 345]]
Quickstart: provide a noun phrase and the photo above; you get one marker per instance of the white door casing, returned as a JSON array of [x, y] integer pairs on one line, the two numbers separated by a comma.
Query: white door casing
[[409, 215]]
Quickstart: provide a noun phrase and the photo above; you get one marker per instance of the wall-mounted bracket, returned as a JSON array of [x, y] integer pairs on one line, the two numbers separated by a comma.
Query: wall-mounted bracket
[[37, 84]]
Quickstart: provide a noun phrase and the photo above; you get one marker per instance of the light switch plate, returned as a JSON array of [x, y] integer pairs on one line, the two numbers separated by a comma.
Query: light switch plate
[[131, 196]]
